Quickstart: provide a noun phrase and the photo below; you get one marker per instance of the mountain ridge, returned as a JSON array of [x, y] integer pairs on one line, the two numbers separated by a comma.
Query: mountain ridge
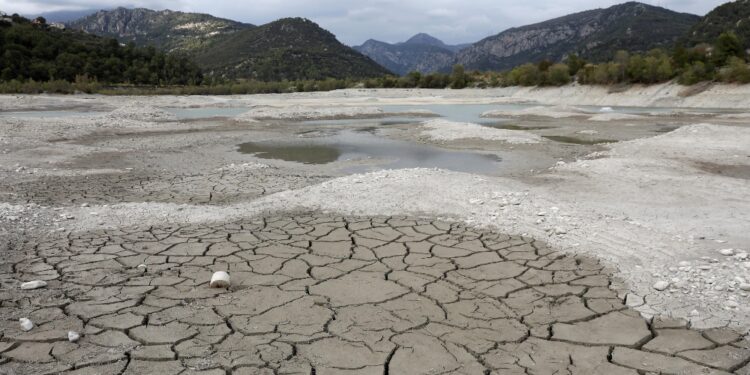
[[595, 34]]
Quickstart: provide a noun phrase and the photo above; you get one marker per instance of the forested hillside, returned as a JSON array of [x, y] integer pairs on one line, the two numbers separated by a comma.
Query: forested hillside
[[40, 52]]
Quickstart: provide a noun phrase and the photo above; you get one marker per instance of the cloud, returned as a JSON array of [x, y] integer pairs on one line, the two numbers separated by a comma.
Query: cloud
[[354, 21]]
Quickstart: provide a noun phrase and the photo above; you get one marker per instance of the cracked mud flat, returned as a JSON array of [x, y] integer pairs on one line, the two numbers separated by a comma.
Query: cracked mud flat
[[327, 273], [317, 294]]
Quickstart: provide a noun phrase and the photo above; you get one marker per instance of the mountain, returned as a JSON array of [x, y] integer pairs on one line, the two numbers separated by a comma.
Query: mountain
[[595, 34], [290, 48], [427, 39], [733, 16], [422, 53], [165, 29]]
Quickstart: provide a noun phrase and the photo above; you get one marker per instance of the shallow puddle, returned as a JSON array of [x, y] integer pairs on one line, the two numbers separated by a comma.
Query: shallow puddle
[[350, 145], [578, 140]]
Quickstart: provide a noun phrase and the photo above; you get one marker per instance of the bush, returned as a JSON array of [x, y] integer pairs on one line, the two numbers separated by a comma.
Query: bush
[[736, 71], [558, 75]]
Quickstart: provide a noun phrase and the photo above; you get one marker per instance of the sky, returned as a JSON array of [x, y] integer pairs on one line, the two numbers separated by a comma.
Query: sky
[[355, 21]]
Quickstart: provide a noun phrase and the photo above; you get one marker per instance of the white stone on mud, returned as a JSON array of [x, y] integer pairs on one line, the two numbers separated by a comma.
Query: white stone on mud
[[220, 279], [726, 252], [661, 285], [36, 284], [26, 324], [745, 287], [73, 336]]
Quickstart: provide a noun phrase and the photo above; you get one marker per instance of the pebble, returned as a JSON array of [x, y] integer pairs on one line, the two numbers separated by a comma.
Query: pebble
[[219, 279], [745, 287], [73, 336], [731, 304], [661, 285], [36, 284], [26, 324], [726, 252]]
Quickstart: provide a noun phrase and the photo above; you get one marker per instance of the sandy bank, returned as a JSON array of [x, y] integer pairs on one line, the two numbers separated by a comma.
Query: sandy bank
[[443, 130]]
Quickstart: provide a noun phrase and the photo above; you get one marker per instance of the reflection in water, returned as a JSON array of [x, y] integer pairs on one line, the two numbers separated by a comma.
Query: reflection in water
[[578, 141], [351, 145], [300, 153]]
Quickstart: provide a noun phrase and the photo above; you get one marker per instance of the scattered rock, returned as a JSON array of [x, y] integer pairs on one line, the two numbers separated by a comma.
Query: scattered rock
[[661, 285], [26, 324], [36, 284], [726, 252], [73, 336]]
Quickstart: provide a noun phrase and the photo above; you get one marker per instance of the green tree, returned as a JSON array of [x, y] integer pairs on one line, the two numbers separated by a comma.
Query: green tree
[[458, 77], [727, 45], [558, 75]]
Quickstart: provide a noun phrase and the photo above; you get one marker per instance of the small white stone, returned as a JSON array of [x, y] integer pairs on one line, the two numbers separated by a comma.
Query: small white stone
[[26, 324], [142, 267], [684, 263], [694, 313], [731, 304], [220, 279], [73, 336], [559, 230], [661, 285], [745, 287], [726, 252], [36, 284]]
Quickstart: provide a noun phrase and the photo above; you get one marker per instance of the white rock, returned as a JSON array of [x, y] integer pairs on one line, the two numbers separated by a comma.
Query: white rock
[[26, 324], [220, 279], [661, 285], [36, 284], [745, 287], [684, 263], [73, 336], [142, 267], [726, 252], [559, 230], [731, 304]]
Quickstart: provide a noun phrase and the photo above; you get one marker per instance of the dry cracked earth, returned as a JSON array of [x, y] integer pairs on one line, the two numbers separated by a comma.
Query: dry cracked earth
[[317, 294]]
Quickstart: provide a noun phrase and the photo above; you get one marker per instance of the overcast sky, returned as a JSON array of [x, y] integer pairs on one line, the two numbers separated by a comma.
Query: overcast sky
[[354, 21]]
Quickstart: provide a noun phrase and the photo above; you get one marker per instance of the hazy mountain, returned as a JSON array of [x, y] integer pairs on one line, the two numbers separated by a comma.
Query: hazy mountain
[[595, 34], [733, 16], [290, 48], [422, 53], [427, 39], [163, 29]]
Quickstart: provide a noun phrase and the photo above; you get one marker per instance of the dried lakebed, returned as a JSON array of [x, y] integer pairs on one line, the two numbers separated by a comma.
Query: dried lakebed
[[323, 295], [566, 255]]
